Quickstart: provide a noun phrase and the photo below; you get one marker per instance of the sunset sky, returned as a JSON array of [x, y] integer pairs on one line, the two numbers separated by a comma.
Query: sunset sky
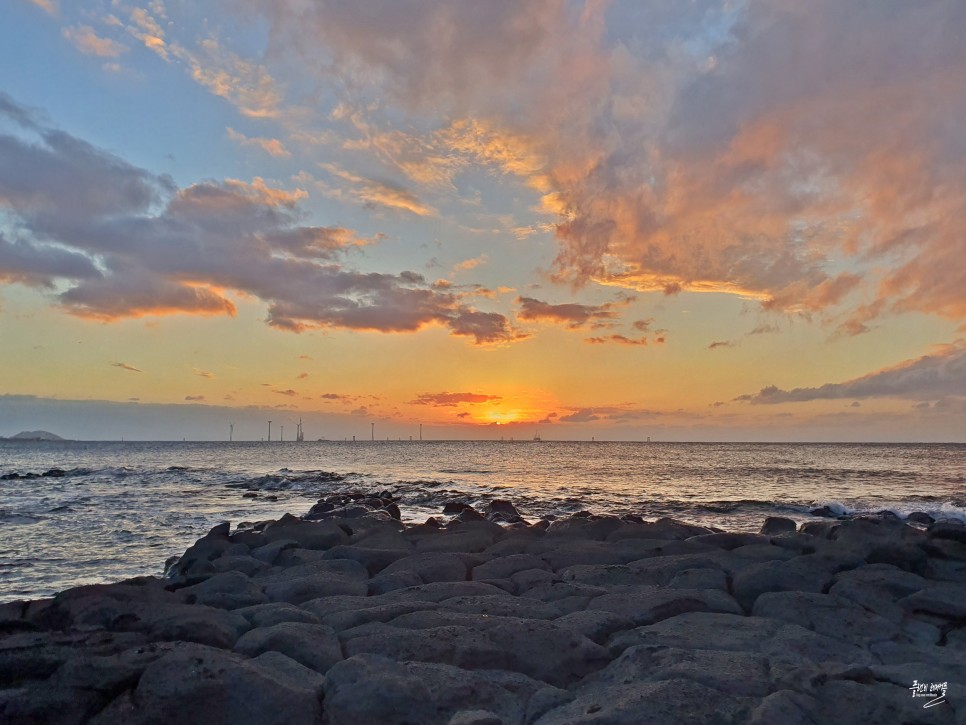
[[684, 220]]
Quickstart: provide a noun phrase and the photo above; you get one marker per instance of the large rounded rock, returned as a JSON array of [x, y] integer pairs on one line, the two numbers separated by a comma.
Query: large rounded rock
[[775, 525], [827, 614], [503, 567], [200, 685], [777, 576], [538, 649], [324, 578], [646, 605], [228, 590], [431, 567], [308, 534], [373, 559], [313, 645], [368, 688]]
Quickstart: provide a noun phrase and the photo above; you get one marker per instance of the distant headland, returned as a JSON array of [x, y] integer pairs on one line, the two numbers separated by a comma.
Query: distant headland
[[34, 435]]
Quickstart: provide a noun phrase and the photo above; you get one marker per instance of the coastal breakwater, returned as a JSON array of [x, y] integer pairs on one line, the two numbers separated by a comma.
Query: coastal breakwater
[[346, 615]]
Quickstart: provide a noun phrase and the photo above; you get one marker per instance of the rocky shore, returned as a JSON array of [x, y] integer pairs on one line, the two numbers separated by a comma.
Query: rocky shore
[[478, 617]]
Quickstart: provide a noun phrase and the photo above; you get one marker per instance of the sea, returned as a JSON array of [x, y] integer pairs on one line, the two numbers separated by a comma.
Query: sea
[[121, 509]]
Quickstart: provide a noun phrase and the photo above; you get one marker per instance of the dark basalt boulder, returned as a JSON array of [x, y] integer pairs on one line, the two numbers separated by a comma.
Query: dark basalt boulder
[[775, 525]]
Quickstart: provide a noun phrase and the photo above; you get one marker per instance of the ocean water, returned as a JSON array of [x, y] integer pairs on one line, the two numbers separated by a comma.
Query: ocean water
[[123, 508]]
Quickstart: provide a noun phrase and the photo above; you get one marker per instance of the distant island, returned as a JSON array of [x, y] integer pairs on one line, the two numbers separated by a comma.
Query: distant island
[[34, 435]]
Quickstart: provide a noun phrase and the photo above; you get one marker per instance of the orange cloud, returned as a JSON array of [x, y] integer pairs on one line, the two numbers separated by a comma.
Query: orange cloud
[[88, 42], [271, 146], [453, 399]]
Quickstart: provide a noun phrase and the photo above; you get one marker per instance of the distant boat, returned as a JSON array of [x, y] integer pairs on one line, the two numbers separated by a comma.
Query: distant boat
[[536, 436]]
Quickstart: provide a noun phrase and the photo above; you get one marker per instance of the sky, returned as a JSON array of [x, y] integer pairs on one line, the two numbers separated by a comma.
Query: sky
[[738, 220]]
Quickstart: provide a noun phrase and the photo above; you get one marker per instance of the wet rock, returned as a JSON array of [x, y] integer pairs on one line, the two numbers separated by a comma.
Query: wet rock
[[663, 528], [454, 507], [775, 525], [820, 529], [823, 511], [312, 645], [948, 529], [196, 561], [945, 549], [501, 510], [920, 517], [597, 528]]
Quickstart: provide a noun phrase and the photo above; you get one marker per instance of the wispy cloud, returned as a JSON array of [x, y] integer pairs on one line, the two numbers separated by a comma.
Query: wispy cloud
[[572, 314], [271, 146], [88, 42], [939, 375], [617, 338], [453, 399], [51, 7], [375, 192], [616, 414], [125, 366]]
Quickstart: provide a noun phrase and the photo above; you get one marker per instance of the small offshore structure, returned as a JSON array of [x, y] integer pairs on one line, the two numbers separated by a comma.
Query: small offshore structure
[[299, 433]]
